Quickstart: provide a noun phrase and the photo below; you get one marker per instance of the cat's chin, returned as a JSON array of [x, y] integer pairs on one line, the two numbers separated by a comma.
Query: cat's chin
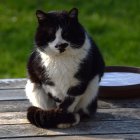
[[49, 51], [54, 52]]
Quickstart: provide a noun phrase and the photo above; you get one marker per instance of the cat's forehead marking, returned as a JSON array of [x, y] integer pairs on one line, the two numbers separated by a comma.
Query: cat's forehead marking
[[58, 32], [58, 39], [58, 36]]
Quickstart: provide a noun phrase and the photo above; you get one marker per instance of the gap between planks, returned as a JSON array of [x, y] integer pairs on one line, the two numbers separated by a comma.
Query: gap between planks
[[83, 137], [19, 94], [84, 128], [120, 116], [101, 115], [22, 105]]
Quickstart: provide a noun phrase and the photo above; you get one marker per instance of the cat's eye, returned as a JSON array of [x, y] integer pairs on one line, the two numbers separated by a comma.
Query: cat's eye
[[51, 34], [64, 34], [51, 31], [51, 38]]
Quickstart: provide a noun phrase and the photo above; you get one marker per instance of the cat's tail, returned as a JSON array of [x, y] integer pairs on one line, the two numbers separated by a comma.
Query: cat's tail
[[54, 118]]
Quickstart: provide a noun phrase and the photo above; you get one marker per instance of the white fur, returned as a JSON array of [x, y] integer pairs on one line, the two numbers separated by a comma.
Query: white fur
[[67, 125], [72, 107], [89, 95], [81, 102], [77, 119], [58, 40], [61, 68], [63, 125], [37, 96]]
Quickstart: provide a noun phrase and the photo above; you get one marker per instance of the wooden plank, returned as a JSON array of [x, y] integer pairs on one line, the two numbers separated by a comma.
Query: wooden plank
[[14, 94], [12, 83], [13, 118], [101, 115], [19, 94], [118, 114], [63, 138], [22, 105], [83, 137], [124, 103], [14, 106], [84, 128], [18, 83]]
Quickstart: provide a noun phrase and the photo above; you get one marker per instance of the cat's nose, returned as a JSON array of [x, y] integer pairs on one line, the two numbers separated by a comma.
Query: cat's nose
[[61, 46]]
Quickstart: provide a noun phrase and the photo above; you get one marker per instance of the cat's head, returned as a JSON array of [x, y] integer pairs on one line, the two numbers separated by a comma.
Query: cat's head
[[59, 31]]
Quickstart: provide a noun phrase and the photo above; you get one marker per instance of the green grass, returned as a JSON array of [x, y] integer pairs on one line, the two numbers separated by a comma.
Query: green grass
[[114, 25]]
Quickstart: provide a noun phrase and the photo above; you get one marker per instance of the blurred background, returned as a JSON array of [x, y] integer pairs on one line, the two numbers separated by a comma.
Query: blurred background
[[113, 24]]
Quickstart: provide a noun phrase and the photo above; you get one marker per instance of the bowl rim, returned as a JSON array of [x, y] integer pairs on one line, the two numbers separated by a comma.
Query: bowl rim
[[122, 69], [120, 92]]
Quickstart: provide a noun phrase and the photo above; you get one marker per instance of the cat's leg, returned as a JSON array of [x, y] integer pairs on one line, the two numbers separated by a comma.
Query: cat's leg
[[58, 117], [68, 105], [88, 101], [85, 103], [38, 97]]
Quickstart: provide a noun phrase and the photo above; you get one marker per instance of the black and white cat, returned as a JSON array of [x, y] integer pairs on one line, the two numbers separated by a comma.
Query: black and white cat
[[64, 71]]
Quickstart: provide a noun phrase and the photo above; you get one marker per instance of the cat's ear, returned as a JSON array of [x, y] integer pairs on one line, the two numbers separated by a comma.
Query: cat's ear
[[41, 16], [73, 13]]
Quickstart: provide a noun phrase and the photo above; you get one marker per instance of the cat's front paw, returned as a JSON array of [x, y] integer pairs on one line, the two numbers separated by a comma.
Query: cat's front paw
[[67, 125], [64, 125]]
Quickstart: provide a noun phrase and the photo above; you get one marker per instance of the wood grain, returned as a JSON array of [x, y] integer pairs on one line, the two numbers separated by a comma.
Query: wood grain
[[14, 94], [14, 106], [86, 137], [115, 119], [101, 115], [13, 118], [12, 83], [83, 137], [19, 94], [22, 105], [84, 128], [124, 103]]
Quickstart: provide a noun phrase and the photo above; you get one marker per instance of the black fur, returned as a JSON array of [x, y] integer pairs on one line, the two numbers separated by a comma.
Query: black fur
[[49, 119], [72, 30], [66, 103], [56, 99], [37, 73], [92, 107], [92, 65]]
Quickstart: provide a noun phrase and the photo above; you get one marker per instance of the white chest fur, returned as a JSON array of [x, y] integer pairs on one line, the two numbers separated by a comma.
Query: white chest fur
[[62, 68]]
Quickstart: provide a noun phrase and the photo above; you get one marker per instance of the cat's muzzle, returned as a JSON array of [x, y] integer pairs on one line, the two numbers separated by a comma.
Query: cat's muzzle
[[61, 47]]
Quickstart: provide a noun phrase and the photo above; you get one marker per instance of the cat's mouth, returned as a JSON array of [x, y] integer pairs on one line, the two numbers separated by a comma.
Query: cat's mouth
[[55, 49], [61, 50], [61, 47]]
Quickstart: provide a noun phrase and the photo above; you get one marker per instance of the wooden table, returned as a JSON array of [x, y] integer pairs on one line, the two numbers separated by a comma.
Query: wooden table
[[115, 119]]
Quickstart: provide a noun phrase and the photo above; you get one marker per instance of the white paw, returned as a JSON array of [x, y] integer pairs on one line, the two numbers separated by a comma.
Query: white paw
[[64, 125], [67, 125], [77, 118]]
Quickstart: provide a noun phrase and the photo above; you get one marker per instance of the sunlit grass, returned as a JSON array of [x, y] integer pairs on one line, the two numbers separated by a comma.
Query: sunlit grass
[[114, 25]]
